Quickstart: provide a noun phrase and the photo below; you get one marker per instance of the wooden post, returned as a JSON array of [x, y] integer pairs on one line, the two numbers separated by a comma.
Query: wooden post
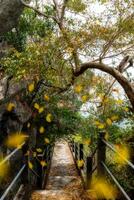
[[81, 151], [75, 151], [88, 167], [101, 154]]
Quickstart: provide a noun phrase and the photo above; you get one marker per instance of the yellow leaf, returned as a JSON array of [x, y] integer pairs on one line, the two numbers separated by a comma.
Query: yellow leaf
[[103, 189], [43, 163], [36, 106], [30, 165], [78, 89], [28, 125], [41, 109], [109, 122], [16, 140], [34, 154], [87, 141], [27, 153], [31, 87], [41, 130], [39, 150], [97, 123], [47, 141], [126, 109], [106, 136], [119, 101], [10, 107], [101, 126], [46, 97], [123, 154], [49, 117], [84, 98], [114, 118], [4, 169], [80, 163]]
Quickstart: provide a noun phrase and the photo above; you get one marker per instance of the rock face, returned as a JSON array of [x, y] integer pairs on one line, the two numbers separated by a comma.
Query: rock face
[[10, 10]]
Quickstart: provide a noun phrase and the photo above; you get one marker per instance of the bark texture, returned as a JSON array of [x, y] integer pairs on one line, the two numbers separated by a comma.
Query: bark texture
[[10, 10]]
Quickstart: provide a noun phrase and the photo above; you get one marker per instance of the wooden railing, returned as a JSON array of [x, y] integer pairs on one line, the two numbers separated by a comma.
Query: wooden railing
[[22, 174], [96, 162]]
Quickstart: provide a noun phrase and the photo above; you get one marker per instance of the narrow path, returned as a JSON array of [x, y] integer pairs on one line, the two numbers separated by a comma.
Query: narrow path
[[63, 183]]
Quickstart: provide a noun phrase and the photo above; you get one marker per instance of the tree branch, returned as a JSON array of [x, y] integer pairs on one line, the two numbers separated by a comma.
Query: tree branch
[[39, 12], [128, 88]]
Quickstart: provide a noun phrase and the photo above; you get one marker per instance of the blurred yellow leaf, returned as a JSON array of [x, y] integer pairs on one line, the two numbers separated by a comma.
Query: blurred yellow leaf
[[123, 154], [101, 126], [31, 87], [103, 189], [43, 163], [4, 169], [10, 107], [16, 140], [109, 122], [41, 130], [28, 125], [80, 163], [49, 117], [46, 97], [119, 101], [39, 150], [114, 118], [34, 154], [36, 106], [47, 141], [41, 109], [106, 136], [87, 141], [30, 165], [78, 89], [84, 98], [126, 109]]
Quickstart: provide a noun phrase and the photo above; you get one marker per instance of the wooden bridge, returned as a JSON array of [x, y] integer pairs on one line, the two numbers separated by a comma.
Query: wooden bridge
[[59, 177]]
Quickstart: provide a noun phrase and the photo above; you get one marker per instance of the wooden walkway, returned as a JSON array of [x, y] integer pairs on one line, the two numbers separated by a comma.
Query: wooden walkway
[[63, 183]]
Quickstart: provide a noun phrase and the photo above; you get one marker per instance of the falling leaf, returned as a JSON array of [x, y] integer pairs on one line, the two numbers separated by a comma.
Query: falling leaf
[[49, 117], [101, 126], [84, 98], [28, 125], [10, 107], [39, 150], [34, 154], [41, 109], [103, 189], [119, 101], [4, 169], [16, 140], [122, 156], [46, 97], [31, 87], [43, 163], [114, 118], [36, 106], [106, 136], [80, 163], [41, 130], [30, 165], [87, 141], [78, 89], [109, 122], [126, 109], [27, 153], [47, 141]]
